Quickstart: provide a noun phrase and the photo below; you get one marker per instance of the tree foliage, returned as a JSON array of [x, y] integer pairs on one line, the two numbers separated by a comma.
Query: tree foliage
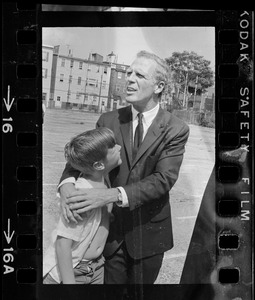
[[191, 69]]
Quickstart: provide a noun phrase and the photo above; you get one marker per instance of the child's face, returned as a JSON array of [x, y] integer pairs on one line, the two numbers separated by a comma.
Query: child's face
[[113, 158]]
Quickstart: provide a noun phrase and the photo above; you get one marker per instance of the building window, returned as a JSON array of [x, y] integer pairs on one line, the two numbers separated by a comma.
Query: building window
[[44, 73], [58, 98], [79, 80], [117, 88], [71, 63], [92, 82], [119, 75], [63, 62], [44, 96], [105, 70], [77, 95], [104, 84], [61, 78], [80, 65], [45, 56]]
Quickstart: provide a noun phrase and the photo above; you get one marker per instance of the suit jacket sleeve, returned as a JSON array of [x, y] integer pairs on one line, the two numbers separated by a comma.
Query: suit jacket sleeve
[[165, 173], [69, 171]]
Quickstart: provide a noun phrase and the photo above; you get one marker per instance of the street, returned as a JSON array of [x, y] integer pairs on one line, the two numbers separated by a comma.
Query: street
[[60, 125]]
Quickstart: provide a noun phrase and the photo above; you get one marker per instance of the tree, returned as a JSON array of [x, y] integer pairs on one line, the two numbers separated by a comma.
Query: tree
[[189, 69]]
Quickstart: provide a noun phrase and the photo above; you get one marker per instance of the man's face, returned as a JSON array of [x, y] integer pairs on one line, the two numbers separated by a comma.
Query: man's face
[[140, 81]]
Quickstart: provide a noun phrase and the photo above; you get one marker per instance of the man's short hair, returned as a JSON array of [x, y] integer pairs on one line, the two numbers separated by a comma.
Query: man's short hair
[[89, 147], [162, 71]]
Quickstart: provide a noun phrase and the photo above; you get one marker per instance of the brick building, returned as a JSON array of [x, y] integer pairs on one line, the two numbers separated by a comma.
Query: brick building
[[89, 84], [47, 57]]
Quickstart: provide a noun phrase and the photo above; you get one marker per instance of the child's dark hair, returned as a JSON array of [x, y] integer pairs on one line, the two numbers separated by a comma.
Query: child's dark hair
[[89, 147]]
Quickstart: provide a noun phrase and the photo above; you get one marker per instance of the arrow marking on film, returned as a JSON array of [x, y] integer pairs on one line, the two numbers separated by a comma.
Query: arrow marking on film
[[8, 236], [7, 103]]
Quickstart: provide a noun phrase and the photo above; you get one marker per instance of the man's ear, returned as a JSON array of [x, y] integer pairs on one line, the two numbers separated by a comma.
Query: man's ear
[[159, 87], [98, 165]]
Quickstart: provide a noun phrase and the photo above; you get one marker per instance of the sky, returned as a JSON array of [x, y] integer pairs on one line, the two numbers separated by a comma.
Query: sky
[[125, 42]]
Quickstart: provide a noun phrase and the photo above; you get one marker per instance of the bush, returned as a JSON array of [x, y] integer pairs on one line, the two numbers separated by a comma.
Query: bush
[[206, 120]]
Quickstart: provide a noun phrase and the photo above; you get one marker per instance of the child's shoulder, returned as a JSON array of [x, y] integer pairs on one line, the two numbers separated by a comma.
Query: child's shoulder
[[97, 185], [82, 182]]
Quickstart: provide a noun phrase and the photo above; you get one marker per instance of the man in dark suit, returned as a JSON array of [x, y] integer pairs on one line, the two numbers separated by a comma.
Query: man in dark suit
[[153, 142]]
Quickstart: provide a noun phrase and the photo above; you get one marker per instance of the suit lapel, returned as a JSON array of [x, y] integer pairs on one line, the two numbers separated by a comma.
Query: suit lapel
[[125, 119], [154, 131]]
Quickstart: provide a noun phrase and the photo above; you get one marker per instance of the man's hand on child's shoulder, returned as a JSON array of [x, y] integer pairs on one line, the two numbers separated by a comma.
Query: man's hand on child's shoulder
[[68, 214], [83, 200]]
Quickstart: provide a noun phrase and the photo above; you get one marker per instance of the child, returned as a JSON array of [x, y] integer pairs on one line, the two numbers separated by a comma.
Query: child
[[75, 255]]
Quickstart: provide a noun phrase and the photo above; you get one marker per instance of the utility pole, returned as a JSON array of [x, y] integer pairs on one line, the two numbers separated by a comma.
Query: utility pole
[[213, 103], [185, 102], [99, 96], [86, 80], [195, 91], [69, 84], [200, 106]]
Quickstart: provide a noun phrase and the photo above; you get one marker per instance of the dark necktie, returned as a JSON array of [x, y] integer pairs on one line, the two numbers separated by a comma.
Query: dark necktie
[[138, 135]]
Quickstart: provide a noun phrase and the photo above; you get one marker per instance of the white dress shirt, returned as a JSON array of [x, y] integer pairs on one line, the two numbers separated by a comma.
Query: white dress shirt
[[147, 119]]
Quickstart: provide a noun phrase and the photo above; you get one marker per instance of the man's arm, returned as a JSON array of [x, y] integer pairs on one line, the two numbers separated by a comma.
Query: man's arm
[[66, 188], [65, 191], [86, 199], [64, 258]]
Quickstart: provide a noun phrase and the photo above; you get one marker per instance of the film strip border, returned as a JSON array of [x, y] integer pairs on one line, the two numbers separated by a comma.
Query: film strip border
[[22, 136], [234, 154], [22, 154]]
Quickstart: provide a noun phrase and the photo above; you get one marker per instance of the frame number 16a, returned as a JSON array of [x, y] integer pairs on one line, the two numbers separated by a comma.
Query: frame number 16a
[[8, 257]]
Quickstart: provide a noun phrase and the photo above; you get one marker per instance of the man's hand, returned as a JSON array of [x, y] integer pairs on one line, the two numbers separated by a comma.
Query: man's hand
[[66, 190], [83, 200]]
